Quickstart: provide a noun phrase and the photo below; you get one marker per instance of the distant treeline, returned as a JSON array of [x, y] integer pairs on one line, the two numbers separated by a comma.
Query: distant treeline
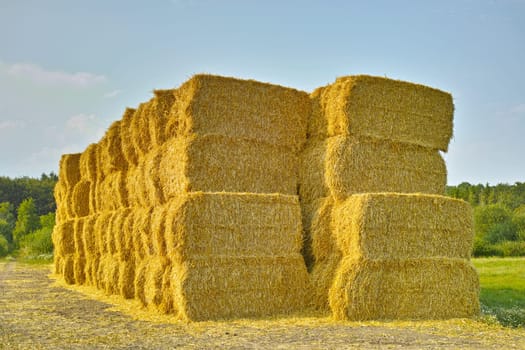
[[40, 189], [499, 217]]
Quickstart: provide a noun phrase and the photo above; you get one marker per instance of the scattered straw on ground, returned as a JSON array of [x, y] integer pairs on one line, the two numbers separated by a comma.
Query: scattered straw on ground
[[38, 313]]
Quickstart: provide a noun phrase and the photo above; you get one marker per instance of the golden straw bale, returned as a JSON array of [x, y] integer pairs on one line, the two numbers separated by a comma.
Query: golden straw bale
[[79, 267], [88, 163], [101, 226], [341, 166], [69, 269], [402, 226], [208, 104], [158, 229], [113, 191], [126, 285], [152, 187], [321, 231], [128, 147], [58, 264], [69, 170], [63, 238], [59, 193], [141, 269], [161, 106], [153, 283], [118, 226], [136, 187], [322, 278], [141, 235], [78, 237], [89, 236], [203, 224], [215, 163], [383, 108], [248, 286], [111, 154], [430, 288], [140, 128], [81, 198]]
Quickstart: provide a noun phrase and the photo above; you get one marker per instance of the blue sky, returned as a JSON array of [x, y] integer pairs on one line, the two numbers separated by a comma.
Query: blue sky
[[69, 68]]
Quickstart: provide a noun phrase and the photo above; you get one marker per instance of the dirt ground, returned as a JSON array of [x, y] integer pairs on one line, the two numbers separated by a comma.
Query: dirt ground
[[36, 312]]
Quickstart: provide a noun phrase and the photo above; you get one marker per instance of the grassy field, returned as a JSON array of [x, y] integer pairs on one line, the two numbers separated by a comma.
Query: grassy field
[[502, 294]]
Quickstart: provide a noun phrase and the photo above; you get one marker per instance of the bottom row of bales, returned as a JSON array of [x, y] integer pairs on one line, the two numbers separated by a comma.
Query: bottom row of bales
[[206, 256], [393, 256], [201, 256]]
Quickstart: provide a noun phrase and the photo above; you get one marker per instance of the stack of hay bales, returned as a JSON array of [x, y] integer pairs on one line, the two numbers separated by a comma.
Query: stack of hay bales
[[189, 204], [382, 242]]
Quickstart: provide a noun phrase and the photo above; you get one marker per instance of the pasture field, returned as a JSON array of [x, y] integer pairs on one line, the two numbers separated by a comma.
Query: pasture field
[[37, 312]]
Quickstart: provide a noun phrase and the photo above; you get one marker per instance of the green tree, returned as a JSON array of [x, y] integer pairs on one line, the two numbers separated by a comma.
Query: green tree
[[493, 223], [4, 246], [27, 220], [39, 241], [7, 220], [518, 218]]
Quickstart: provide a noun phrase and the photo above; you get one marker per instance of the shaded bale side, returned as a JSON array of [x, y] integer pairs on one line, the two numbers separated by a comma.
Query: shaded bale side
[[215, 163], [69, 268], [90, 248], [208, 104], [402, 226], [59, 193], [69, 170], [126, 282], [240, 286], [153, 282], [141, 235], [321, 278], [341, 166], [237, 224], [81, 198], [384, 108], [158, 120], [158, 230], [140, 129], [63, 238], [153, 194], [128, 147], [88, 163], [113, 192], [112, 156], [136, 187], [101, 228], [432, 288]]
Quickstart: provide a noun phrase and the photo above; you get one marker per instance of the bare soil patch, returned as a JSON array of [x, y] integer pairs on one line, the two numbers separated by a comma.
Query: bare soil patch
[[38, 313]]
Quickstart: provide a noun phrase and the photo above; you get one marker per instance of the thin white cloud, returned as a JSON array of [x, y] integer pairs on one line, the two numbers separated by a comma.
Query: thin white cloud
[[39, 75], [112, 93], [519, 109], [81, 122], [12, 124]]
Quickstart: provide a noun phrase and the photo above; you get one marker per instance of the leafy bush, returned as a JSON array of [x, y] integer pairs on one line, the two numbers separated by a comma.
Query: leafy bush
[[4, 246], [37, 243], [512, 317], [510, 248], [483, 248]]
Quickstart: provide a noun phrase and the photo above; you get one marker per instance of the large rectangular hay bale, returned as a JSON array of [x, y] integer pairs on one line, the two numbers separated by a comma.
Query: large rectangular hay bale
[[384, 108], [341, 166], [433, 288], [69, 170], [222, 287], [215, 163], [208, 104], [234, 224], [402, 226]]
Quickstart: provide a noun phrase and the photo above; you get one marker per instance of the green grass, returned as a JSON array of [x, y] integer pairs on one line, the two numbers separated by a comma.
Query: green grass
[[502, 293]]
